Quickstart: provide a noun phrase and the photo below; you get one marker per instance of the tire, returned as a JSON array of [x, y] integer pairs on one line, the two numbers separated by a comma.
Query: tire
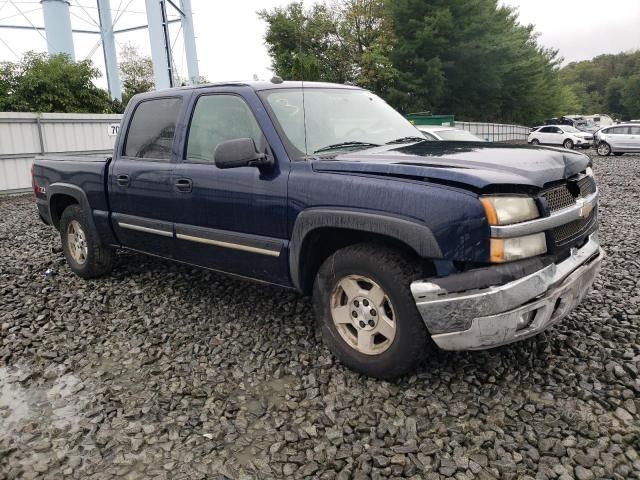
[[81, 245], [535, 141], [617, 154], [568, 144], [603, 149], [402, 342]]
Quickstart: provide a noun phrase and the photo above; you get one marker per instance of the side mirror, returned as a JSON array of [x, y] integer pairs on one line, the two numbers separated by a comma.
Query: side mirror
[[240, 152]]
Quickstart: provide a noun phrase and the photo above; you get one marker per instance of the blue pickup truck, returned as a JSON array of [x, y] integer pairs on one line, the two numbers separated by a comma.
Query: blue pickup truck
[[405, 244]]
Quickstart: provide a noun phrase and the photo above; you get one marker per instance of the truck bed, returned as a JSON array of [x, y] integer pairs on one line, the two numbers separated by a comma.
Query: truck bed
[[86, 172]]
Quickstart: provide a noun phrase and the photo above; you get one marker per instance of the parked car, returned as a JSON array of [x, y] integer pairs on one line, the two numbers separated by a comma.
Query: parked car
[[565, 135], [438, 132], [618, 139], [403, 243]]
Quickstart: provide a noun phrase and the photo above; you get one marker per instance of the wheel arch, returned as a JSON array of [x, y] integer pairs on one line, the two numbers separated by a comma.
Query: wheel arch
[[319, 232], [61, 196]]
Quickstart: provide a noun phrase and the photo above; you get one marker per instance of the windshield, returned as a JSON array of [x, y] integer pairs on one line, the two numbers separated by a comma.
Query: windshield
[[336, 119], [458, 135]]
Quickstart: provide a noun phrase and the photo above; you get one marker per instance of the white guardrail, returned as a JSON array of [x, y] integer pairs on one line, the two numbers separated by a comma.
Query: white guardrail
[[26, 135]]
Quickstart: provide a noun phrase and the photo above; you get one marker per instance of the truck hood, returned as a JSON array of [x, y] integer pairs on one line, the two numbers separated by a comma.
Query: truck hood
[[478, 165]]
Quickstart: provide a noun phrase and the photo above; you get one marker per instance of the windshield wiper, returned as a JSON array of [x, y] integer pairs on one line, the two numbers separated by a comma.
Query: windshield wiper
[[406, 140], [346, 145]]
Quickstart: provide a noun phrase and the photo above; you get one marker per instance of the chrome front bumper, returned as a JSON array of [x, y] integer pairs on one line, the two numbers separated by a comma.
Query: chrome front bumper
[[507, 313]]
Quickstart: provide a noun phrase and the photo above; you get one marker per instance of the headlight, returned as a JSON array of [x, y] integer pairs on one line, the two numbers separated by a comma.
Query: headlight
[[589, 172], [507, 210], [516, 248]]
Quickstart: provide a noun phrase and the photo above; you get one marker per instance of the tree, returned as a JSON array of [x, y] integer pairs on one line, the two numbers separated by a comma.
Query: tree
[[38, 83], [467, 57], [136, 72], [600, 84], [471, 58], [346, 42]]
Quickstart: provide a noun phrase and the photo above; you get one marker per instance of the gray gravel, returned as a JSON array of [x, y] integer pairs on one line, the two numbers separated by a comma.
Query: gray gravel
[[164, 371]]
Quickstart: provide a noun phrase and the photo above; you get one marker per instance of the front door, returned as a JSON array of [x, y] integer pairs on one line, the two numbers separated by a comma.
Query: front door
[[140, 188], [232, 219]]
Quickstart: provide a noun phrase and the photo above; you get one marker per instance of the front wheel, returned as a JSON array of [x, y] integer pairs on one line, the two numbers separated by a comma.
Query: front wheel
[[367, 313], [535, 141], [603, 149], [81, 245], [568, 144]]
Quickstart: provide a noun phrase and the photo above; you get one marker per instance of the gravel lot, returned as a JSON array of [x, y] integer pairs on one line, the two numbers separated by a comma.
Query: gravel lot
[[164, 371]]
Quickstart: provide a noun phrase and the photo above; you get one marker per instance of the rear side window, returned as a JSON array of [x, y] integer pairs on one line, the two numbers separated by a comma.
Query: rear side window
[[152, 129], [216, 119], [634, 130], [618, 130]]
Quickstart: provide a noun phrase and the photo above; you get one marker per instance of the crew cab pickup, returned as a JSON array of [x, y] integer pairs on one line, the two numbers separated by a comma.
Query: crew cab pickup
[[405, 244]]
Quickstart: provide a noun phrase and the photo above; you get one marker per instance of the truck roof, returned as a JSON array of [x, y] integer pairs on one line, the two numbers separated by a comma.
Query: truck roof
[[263, 85]]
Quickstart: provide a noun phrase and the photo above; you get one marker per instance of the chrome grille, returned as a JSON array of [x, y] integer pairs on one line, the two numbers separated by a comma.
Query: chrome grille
[[569, 230], [560, 196]]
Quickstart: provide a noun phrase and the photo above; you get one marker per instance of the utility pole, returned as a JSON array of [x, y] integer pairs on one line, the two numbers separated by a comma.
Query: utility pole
[[57, 24]]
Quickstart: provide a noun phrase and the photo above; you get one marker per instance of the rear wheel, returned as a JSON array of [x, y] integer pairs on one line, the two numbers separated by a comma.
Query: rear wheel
[[81, 245], [568, 144], [535, 141], [367, 313], [603, 149]]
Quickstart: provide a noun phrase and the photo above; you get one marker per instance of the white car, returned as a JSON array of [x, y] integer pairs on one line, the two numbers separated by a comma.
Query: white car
[[618, 139], [565, 135], [451, 134]]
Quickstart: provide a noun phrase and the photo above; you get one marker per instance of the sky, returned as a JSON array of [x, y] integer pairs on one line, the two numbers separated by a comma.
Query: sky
[[230, 36]]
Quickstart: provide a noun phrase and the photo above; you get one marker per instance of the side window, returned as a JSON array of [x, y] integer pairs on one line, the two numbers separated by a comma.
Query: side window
[[216, 119], [556, 130], [546, 130], [634, 130], [152, 129], [618, 130]]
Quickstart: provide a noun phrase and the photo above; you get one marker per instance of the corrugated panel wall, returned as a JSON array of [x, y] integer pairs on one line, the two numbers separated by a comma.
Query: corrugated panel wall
[[25, 135]]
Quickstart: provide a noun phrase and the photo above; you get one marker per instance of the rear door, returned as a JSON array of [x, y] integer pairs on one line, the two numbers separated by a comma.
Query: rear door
[[544, 134], [140, 187], [232, 219], [634, 139], [555, 136], [616, 138]]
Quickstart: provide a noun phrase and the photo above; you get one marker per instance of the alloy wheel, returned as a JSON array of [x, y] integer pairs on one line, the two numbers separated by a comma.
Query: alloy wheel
[[363, 314], [77, 242]]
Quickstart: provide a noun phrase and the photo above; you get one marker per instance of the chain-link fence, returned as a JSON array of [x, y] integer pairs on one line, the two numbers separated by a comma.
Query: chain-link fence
[[496, 132]]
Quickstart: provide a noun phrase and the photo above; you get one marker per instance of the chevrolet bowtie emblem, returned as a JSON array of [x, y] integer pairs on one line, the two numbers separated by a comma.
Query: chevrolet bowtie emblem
[[585, 209]]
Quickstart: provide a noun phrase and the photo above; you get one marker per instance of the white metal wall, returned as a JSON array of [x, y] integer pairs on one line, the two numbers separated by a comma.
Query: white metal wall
[[25, 135]]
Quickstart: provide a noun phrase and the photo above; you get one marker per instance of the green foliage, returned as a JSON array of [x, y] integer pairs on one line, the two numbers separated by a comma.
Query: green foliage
[[136, 72], [38, 83], [346, 42], [467, 57], [606, 84]]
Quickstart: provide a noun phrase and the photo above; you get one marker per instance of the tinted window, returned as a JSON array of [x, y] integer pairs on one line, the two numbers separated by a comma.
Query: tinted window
[[618, 131], [218, 118], [152, 129], [546, 130]]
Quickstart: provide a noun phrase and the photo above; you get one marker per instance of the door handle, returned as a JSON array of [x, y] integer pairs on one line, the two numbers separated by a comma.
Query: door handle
[[184, 184], [123, 180]]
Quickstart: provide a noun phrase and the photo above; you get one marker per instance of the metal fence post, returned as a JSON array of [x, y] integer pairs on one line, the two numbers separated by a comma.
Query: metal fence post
[[40, 135]]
